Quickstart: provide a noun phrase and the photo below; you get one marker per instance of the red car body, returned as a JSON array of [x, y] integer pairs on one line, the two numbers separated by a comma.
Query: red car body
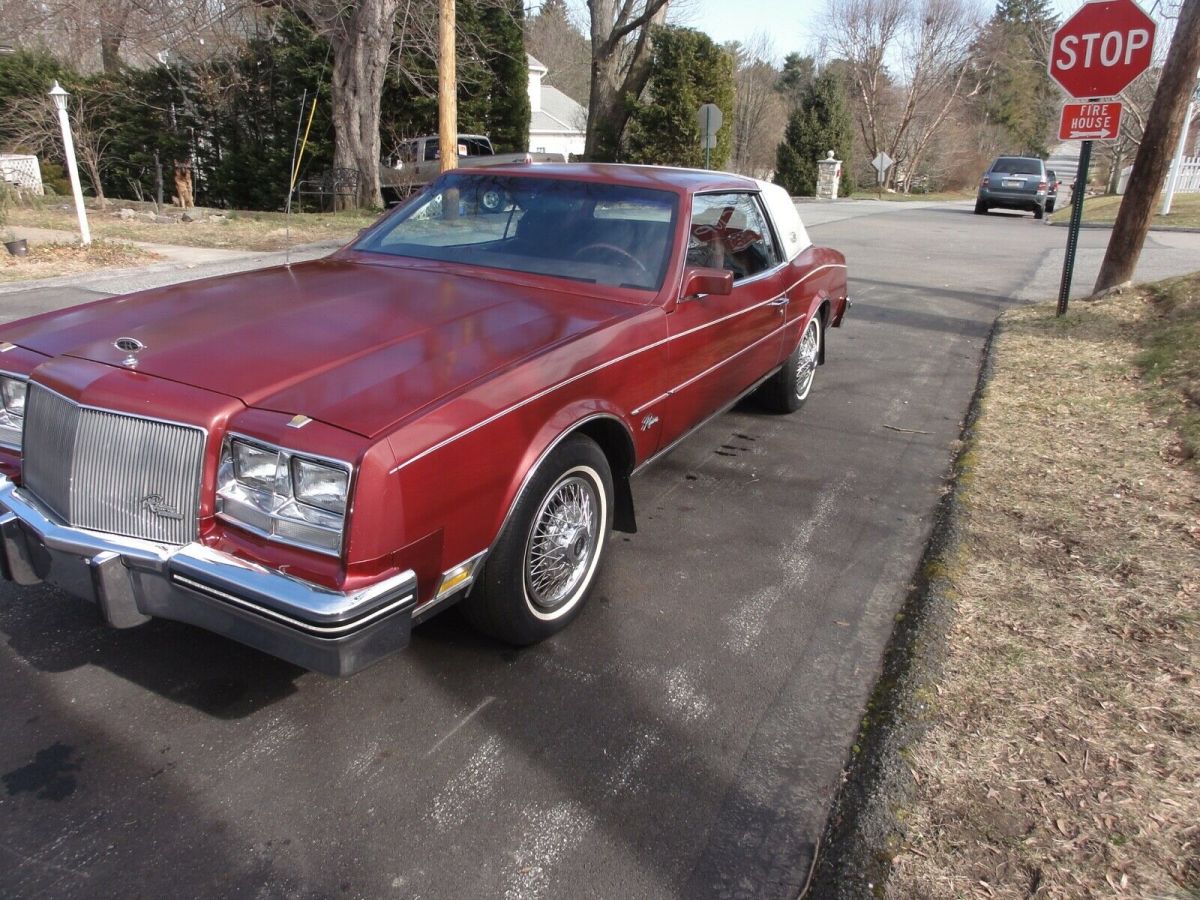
[[442, 384]]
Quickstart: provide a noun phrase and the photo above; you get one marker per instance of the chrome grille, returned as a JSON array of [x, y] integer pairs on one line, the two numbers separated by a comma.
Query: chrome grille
[[112, 472]]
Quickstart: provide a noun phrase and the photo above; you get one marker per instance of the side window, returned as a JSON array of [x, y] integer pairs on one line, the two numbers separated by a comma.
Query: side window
[[728, 231], [432, 150], [408, 151]]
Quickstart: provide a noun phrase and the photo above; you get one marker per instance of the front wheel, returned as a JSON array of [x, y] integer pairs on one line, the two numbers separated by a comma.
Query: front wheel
[[545, 561], [787, 389]]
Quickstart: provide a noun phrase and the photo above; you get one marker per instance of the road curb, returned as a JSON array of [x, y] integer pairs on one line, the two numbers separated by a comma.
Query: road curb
[[1107, 226], [84, 279], [862, 833]]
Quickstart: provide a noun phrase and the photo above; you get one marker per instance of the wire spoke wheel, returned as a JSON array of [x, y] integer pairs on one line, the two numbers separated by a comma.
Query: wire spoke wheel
[[807, 357], [544, 562], [562, 542]]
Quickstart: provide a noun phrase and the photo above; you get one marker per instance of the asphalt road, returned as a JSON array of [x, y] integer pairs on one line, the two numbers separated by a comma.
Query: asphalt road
[[682, 739]]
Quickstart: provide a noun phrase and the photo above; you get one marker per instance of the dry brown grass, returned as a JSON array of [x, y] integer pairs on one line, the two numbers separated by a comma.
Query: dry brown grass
[[238, 230], [54, 260], [1063, 756], [1185, 211]]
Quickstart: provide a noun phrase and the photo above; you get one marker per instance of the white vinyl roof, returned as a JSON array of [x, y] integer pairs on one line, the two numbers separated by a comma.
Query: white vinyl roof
[[787, 219]]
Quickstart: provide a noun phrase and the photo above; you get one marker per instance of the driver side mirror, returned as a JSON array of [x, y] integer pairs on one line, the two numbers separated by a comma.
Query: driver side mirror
[[706, 281]]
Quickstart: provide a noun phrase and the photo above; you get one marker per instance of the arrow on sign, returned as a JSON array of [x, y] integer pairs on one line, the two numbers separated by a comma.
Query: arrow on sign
[[1087, 135]]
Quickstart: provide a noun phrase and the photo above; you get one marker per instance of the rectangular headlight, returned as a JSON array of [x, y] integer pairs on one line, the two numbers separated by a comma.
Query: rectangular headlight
[[12, 410], [319, 485], [254, 466], [281, 495], [13, 391]]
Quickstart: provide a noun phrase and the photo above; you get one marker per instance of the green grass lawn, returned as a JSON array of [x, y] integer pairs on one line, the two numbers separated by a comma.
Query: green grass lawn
[[1185, 211]]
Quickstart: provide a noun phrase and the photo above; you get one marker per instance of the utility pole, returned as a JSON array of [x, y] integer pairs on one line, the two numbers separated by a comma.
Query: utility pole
[[1154, 155], [448, 87]]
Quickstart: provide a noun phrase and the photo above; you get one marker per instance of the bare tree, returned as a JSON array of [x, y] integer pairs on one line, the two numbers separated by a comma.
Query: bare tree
[[620, 32], [554, 39], [899, 111], [38, 130], [107, 34], [759, 110]]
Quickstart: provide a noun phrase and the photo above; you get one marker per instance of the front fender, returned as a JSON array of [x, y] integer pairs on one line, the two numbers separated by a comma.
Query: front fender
[[599, 420]]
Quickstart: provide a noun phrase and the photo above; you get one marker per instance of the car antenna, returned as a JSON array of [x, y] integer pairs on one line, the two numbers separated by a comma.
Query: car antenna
[[287, 207]]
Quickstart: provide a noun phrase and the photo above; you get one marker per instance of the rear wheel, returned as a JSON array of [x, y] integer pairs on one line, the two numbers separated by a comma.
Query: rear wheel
[[1049, 206], [980, 208], [494, 200], [1038, 212], [788, 388], [545, 561]]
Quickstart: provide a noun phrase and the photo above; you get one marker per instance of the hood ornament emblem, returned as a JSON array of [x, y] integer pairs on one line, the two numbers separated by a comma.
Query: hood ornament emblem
[[132, 346]]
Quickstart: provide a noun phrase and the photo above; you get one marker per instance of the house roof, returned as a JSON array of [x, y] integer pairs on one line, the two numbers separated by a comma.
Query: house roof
[[558, 113], [534, 65]]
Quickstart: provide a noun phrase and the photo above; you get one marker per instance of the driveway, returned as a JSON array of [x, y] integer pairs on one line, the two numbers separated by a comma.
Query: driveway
[[683, 738]]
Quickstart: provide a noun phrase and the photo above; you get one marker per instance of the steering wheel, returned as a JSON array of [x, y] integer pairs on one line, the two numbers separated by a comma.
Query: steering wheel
[[610, 248]]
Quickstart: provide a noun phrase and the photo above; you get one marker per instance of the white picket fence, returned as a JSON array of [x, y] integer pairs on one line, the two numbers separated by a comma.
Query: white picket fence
[[1189, 177]]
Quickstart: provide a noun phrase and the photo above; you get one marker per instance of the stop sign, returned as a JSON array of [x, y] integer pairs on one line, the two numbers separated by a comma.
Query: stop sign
[[1101, 48]]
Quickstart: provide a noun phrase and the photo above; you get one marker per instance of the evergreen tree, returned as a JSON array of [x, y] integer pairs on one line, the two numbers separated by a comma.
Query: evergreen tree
[[819, 124], [797, 74], [508, 111], [689, 71], [1012, 56], [23, 75], [493, 82]]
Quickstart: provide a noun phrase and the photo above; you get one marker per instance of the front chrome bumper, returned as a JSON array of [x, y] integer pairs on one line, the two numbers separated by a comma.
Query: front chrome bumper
[[133, 580]]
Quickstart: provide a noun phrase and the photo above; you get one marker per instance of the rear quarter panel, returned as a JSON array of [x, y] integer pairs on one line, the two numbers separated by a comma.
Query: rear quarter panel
[[818, 277]]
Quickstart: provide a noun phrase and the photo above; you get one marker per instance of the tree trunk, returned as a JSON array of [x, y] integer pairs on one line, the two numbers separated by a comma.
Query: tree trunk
[[114, 17], [1114, 175], [158, 184], [92, 166], [619, 71], [605, 122], [1154, 155], [360, 55]]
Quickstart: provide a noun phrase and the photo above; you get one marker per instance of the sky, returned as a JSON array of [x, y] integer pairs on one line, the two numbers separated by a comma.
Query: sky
[[787, 23]]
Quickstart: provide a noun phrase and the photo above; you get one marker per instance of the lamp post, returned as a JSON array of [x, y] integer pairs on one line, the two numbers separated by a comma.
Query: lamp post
[[59, 96]]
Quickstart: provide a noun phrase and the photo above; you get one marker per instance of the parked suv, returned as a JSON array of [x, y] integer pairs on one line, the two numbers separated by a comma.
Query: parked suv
[[1014, 182]]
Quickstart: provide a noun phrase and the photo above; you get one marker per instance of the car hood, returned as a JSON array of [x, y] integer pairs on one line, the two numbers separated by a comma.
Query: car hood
[[355, 345]]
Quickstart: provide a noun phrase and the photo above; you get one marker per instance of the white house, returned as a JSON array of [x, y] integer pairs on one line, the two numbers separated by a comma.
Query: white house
[[557, 123]]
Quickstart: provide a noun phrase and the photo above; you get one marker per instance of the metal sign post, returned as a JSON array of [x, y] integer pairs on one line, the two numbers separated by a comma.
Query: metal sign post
[[1077, 192], [709, 119], [881, 163], [707, 132], [1095, 53]]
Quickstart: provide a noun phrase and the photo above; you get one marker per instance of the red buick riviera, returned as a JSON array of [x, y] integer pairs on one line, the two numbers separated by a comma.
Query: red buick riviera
[[309, 459]]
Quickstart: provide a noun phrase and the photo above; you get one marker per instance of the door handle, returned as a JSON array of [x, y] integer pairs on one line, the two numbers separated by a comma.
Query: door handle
[[780, 301]]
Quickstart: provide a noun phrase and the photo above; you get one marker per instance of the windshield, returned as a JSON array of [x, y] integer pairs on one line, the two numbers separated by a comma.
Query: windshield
[[598, 233], [1017, 165]]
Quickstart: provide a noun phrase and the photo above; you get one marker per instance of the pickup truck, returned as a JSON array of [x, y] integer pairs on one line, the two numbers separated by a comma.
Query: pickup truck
[[418, 162]]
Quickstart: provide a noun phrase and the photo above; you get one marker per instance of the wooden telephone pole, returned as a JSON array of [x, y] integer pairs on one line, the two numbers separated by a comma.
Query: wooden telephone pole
[[447, 87], [1154, 155]]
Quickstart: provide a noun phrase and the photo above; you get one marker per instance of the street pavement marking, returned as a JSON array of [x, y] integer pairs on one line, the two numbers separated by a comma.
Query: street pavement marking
[[453, 731]]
